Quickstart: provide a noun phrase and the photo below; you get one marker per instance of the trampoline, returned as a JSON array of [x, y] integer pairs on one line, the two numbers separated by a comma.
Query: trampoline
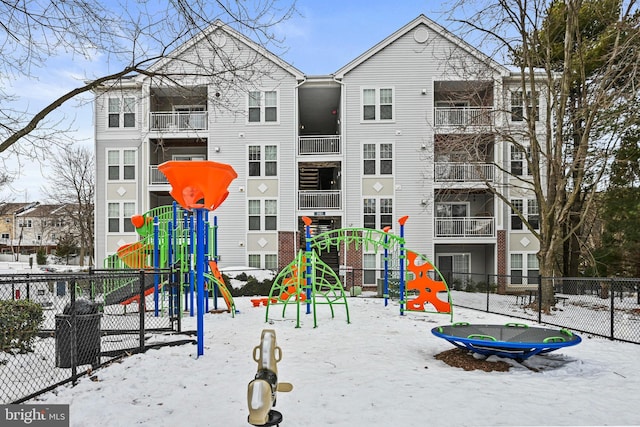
[[514, 340]]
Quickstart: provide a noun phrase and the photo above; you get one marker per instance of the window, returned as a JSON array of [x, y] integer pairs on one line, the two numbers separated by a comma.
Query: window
[[271, 261], [377, 104], [530, 211], [377, 213], [254, 260], [119, 217], [377, 159], [256, 161], [129, 164], [263, 107], [533, 214], [270, 160], [516, 269], [533, 269], [25, 223], [5, 235], [129, 209], [369, 213], [117, 169], [524, 269], [516, 207], [254, 214], [256, 210], [113, 165], [517, 114], [270, 106], [519, 160], [518, 106], [533, 106], [113, 217], [270, 214], [122, 111]]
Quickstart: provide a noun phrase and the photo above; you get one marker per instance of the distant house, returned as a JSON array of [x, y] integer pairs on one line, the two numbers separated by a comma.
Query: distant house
[[406, 128], [27, 228]]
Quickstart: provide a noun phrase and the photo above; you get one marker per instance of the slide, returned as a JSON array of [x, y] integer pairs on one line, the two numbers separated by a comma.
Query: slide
[[215, 277]]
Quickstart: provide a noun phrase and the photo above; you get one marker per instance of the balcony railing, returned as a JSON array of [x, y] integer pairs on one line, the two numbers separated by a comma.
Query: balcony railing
[[463, 172], [319, 145], [178, 121], [463, 116], [465, 227], [319, 199], [156, 177]]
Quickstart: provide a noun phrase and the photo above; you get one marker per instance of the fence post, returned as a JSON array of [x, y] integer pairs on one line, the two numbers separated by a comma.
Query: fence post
[[488, 290], [540, 298], [141, 309], [612, 294], [72, 335]]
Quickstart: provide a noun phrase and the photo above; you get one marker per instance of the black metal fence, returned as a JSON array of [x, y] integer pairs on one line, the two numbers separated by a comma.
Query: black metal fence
[[607, 307], [89, 319]]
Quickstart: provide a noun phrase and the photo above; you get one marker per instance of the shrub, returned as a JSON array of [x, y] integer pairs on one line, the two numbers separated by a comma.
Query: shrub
[[253, 287], [41, 257], [19, 324]]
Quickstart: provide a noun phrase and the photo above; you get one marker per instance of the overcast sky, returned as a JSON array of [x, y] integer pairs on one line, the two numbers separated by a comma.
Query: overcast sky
[[327, 35]]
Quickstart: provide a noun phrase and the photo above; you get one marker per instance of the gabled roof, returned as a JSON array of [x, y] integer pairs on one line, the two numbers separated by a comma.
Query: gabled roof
[[210, 32], [15, 208], [41, 211], [436, 28]]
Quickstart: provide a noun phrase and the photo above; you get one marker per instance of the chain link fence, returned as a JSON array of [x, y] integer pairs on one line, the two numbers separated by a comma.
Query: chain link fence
[[57, 326], [607, 307]]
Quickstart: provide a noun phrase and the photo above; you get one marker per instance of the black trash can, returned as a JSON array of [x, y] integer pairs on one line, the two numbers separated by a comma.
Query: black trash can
[[86, 331]]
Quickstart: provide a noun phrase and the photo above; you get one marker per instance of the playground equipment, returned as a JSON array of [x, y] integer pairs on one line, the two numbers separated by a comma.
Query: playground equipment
[[199, 187], [309, 281], [262, 390], [180, 239], [513, 340]]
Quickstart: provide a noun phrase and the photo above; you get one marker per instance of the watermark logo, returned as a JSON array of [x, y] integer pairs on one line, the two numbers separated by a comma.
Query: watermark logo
[[34, 415]]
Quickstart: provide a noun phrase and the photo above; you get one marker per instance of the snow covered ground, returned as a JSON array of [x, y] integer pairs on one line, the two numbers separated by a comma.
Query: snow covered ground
[[379, 370]]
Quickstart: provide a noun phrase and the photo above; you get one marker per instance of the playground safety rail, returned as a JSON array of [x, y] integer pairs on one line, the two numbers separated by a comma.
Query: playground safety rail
[[83, 327]]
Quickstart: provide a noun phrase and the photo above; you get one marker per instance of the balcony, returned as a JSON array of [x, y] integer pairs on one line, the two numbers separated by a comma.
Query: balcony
[[319, 145], [464, 227], [463, 116], [156, 177], [463, 172], [320, 199], [161, 121]]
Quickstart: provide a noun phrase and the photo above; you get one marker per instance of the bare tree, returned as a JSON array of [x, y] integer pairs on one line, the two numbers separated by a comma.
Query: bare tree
[[130, 36], [577, 92], [72, 183]]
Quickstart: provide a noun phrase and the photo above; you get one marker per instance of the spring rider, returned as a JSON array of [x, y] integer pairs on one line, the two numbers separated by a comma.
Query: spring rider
[[261, 394]]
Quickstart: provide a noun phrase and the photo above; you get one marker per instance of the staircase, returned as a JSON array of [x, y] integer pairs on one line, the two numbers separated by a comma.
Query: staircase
[[309, 179]]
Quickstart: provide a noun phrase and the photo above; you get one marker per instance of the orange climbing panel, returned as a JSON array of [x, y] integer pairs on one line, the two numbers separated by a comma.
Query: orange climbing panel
[[427, 287], [201, 184]]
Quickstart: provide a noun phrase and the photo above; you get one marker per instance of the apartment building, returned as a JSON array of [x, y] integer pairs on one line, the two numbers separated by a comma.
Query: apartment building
[[408, 128]]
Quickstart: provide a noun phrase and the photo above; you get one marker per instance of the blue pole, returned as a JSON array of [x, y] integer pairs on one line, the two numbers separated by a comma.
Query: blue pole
[[205, 237], [192, 249], [385, 291], [156, 265], [215, 257], [200, 261], [308, 258]]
